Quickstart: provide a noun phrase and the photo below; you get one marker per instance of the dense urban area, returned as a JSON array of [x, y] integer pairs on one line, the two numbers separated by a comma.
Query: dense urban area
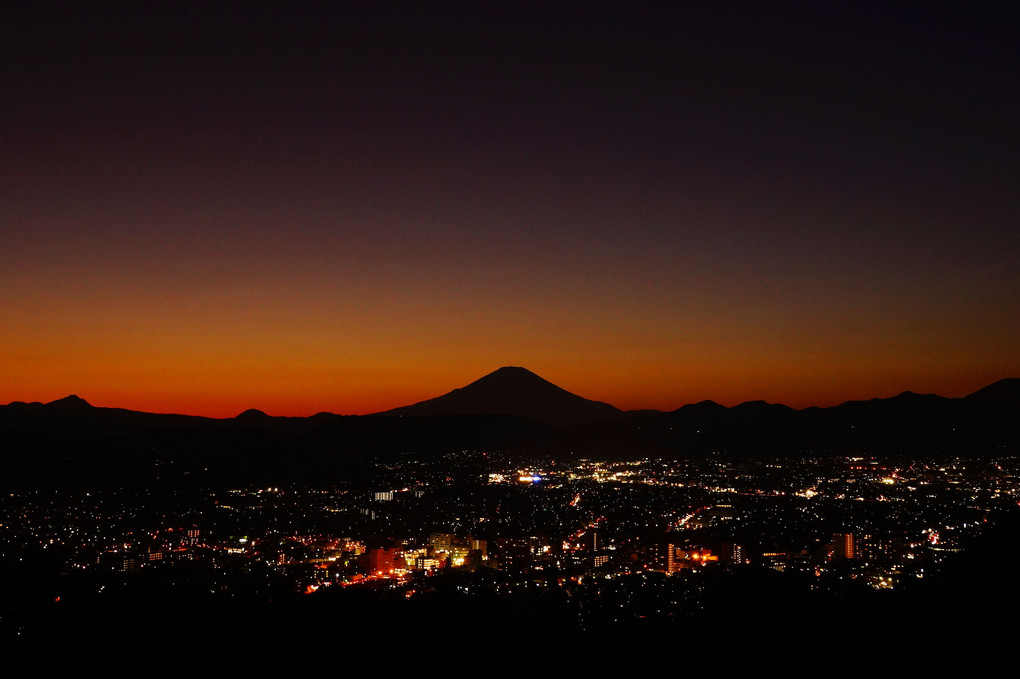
[[599, 550]]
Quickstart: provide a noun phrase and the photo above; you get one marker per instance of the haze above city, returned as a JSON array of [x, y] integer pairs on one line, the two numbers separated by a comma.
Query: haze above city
[[306, 208]]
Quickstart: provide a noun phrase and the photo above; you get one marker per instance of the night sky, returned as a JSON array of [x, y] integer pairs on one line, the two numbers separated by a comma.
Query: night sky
[[349, 207]]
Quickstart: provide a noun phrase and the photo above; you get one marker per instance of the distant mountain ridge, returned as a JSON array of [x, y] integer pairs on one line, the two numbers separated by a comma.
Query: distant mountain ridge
[[509, 390], [71, 442]]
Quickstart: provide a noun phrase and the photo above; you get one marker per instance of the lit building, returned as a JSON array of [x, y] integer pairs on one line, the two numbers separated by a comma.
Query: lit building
[[678, 559], [843, 546], [383, 560], [775, 560], [732, 553]]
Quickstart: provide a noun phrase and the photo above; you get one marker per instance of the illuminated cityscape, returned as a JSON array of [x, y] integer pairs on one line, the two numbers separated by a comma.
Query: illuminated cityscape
[[613, 547]]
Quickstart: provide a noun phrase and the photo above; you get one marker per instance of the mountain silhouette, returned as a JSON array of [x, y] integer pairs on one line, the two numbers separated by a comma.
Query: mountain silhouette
[[252, 415], [514, 391], [1003, 391], [71, 402]]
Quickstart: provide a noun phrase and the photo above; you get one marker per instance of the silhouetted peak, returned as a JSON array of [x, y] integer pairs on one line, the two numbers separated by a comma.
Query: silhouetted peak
[[510, 373], [517, 391], [512, 369], [912, 397], [508, 380], [702, 407], [761, 405], [1005, 391], [71, 401], [252, 414]]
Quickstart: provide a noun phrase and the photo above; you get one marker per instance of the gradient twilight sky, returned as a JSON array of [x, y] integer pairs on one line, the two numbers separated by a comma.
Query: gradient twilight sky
[[303, 207]]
